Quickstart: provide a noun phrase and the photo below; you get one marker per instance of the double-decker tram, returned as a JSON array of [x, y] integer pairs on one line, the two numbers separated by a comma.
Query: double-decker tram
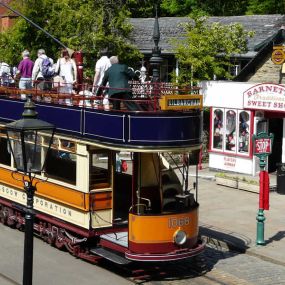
[[84, 201]]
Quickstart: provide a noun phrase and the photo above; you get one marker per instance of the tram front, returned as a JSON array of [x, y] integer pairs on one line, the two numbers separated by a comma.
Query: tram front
[[163, 218]]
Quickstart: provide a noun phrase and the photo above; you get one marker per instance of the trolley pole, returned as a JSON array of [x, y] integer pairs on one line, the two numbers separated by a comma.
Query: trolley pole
[[262, 147]]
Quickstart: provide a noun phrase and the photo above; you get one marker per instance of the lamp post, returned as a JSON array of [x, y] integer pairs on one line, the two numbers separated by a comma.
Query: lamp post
[[262, 147], [29, 157]]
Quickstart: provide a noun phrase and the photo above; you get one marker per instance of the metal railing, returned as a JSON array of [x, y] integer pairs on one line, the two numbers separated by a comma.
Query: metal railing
[[145, 96]]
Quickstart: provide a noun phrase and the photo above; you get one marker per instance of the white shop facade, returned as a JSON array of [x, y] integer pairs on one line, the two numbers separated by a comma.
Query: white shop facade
[[237, 111]]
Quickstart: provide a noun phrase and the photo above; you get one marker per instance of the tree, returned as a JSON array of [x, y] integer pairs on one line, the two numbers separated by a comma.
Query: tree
[[209, 7], [88, 25], [266, 7], [207, 48]]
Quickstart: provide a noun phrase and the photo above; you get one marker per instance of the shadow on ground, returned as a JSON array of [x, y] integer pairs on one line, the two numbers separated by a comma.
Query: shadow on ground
[[277, 237], [221, 244], [228, 239]]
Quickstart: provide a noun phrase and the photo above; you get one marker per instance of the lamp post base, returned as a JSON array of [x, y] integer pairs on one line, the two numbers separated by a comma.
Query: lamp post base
[[29, 235], [260, 227]]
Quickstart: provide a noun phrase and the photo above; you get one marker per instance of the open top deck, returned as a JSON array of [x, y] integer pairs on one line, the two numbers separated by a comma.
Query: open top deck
[[166, 120]]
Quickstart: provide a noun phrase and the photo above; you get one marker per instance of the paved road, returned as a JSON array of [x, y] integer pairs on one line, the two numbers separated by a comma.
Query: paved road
[[51, 266], [217, 266]]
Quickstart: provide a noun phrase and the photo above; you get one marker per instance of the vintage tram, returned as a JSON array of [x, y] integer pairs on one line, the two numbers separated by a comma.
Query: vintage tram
[[84, 202]]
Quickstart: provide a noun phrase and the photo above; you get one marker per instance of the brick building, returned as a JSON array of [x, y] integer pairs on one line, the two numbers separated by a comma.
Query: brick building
[[7, 18]]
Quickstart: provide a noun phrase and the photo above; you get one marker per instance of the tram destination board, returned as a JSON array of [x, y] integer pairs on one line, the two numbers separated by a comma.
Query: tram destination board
[[181, 102]]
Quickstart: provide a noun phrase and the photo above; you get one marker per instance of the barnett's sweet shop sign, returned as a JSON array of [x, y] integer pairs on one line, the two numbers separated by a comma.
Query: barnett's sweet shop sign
[[266, 96]]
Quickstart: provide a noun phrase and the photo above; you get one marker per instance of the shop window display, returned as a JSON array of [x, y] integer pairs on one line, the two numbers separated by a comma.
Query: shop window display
[[218, 129], [231, 130], [243, 143]]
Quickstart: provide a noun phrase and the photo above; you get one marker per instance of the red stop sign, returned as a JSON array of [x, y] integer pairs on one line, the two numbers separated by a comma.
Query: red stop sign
[[262, 146]]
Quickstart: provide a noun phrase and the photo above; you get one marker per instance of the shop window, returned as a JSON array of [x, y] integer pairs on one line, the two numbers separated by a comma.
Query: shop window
[[218, 129], [61, 166], [231, 130], [100, 170], [243, 138]]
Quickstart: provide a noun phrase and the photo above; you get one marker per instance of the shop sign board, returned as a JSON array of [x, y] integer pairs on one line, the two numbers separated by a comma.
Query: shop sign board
[[262, 144], [278, 55], [265, 96]]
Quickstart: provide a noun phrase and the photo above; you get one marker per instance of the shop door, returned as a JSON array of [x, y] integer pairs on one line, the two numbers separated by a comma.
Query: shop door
[[276, 128]]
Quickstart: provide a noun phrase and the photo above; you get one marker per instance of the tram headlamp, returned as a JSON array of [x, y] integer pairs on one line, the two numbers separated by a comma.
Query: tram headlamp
[[180, 237]]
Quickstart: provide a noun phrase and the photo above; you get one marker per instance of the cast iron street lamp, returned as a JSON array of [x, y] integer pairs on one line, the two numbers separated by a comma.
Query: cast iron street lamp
[[29, 157]]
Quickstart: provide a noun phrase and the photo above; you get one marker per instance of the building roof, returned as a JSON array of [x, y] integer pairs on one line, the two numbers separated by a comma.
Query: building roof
[[264, 26]]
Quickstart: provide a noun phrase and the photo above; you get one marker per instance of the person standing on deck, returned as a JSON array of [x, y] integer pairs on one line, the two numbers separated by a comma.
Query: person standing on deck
[[66, 69], [101, 66], [37, 71], [118, 76], [25, 70]]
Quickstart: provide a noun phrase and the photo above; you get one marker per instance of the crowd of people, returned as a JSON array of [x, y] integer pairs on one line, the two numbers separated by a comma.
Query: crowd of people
[[110, 80]]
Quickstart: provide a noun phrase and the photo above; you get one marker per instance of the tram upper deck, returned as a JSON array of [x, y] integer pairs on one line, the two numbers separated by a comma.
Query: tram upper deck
[[166, 120]]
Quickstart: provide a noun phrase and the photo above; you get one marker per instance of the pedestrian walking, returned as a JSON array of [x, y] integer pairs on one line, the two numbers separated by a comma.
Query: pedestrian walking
[[25, 70]]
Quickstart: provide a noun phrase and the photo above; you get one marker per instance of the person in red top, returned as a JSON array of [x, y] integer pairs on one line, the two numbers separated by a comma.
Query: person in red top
[[25, 70]]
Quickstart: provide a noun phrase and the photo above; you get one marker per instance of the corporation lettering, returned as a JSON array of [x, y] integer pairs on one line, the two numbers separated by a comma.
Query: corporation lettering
[[39, 203]]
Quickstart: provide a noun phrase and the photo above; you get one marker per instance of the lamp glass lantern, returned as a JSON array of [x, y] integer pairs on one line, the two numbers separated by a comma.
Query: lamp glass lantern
[[24, 138]]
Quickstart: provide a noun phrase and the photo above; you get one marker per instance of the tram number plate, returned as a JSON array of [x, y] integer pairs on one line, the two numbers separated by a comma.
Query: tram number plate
[[178, 222], [262, 145]]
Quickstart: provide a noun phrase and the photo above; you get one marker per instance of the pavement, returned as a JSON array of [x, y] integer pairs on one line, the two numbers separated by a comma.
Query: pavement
[[228, 216]]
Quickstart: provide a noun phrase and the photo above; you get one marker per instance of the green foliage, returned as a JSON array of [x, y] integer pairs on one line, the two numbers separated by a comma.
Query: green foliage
[[265, 7], [141, 8], [197, 54], [209, 7], [85, 25]]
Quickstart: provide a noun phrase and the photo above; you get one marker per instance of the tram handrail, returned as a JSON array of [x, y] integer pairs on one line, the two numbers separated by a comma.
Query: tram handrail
[[145, 95]]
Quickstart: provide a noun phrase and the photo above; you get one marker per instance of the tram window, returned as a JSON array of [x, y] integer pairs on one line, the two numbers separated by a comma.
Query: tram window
[[5, 155], [218, 129], [100, 170], [61, 165]]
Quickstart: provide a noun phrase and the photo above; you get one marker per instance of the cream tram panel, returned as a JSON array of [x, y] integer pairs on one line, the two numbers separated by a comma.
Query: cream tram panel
[[100, 219], [48, 207]]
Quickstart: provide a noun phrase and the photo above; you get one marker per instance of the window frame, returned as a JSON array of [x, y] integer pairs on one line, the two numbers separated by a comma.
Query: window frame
[[236, 152]]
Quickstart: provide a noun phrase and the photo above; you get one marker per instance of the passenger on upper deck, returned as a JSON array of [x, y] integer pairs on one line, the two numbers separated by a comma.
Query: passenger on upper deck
[[101, 66], [37, 71], [118, 76], [5, 73], [66, 68], [25, 70]]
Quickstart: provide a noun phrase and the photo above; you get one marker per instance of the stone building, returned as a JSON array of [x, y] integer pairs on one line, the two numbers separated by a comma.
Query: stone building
[[265, 27]]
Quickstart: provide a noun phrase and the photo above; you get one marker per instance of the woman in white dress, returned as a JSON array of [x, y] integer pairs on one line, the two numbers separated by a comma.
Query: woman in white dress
[[66, 69]]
